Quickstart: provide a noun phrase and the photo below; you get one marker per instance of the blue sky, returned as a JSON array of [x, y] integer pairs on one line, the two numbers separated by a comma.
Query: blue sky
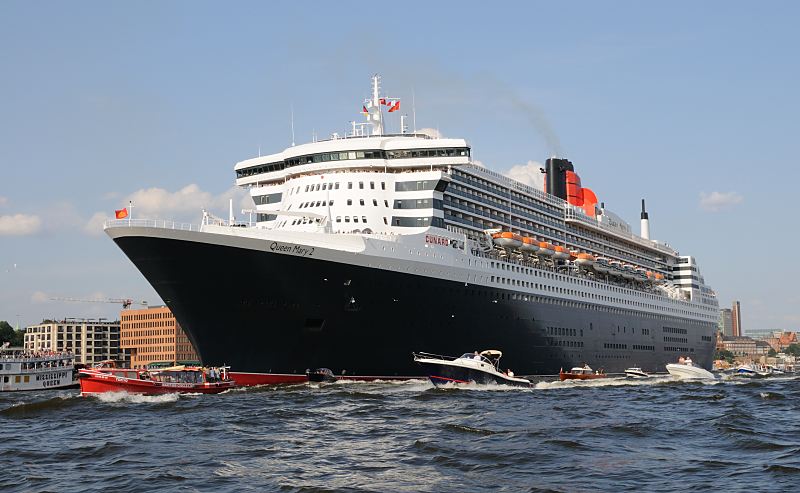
[[692, 105]]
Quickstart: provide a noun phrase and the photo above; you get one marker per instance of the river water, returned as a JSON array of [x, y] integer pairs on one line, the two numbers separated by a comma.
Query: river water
[[611, 435]]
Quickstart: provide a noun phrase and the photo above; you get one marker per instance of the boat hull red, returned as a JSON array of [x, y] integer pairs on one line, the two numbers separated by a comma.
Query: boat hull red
[[97, 382]]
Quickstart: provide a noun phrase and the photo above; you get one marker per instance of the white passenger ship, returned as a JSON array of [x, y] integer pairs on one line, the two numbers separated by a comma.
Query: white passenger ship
[[365, 247], [23, 370]]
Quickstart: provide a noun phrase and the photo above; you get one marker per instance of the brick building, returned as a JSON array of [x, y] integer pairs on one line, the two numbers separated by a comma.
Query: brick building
[[152, 335]]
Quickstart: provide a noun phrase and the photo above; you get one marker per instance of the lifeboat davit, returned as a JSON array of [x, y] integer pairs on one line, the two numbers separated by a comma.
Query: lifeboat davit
[[560, 253], [641, 273], [506, 239], [546, 249], [584, 260], [601, 265], [529, 245]]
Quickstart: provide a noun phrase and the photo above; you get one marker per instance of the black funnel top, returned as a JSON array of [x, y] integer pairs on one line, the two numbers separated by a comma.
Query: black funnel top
[[556, 170]]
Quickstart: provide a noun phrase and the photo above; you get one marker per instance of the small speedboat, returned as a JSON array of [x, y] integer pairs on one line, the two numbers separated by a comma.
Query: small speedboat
[[469, 368], [320, 375], [688, 371], [753, 370], [581, 373], [636, 372]]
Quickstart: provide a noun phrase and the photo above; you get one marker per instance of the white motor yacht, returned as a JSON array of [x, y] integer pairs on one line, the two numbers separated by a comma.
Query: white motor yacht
[[688, 371], [636, 372]]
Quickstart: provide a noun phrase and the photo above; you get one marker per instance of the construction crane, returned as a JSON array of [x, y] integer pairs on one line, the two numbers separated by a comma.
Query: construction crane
[[126, 302]]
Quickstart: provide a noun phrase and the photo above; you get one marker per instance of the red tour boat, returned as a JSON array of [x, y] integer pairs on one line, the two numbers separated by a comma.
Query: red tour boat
[[175, 379], [581, 373]]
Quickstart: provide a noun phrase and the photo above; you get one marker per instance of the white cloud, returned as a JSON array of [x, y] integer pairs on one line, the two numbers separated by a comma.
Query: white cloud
[[94, 227], [186, 203], [528, 174], [39, 297], [20, 225], [717, 201], [433, 132]]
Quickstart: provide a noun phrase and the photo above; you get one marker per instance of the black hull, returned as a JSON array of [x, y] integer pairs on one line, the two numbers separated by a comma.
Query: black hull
[[266, 312], [444, 374]]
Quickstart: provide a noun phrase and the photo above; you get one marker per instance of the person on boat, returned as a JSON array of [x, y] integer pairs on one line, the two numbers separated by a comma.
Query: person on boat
[[586, 367], [681, 360], [509, 372], [688, 361], [476, 356]]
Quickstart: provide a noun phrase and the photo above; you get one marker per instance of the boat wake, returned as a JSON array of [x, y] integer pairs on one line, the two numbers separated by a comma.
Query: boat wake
[[115, 397], [604, 382]]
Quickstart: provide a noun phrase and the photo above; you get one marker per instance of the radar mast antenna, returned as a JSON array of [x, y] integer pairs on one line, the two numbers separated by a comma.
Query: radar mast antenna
[[374, 106]]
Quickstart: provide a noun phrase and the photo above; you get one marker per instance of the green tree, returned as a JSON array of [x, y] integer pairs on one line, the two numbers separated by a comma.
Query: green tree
[[16, 338], [724, 354], [793, 349], [772, 352]]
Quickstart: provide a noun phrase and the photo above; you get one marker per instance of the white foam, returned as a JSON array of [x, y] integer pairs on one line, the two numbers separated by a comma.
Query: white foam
[[112, 397], [604, 382]]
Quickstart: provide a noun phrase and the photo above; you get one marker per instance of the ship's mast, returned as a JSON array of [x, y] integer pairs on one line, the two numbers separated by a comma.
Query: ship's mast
[[374, 106]]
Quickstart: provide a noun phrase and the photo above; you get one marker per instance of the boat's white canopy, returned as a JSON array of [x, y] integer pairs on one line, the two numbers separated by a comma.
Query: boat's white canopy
[[492, 353]]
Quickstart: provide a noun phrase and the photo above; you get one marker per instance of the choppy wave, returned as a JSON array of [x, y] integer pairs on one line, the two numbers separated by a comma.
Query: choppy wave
[[36, 408], [598, 435]]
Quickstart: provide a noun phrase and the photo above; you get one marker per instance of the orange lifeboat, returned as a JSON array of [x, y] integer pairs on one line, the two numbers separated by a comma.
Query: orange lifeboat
[[529, 245], [561, 253], [584, 259], [546, 249], [507, 239]]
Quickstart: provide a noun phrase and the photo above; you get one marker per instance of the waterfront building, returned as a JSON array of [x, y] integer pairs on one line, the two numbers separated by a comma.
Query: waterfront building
[[91, 341], [152, 335], [726, 322], [779, 340], [736, 319], [745, 347]]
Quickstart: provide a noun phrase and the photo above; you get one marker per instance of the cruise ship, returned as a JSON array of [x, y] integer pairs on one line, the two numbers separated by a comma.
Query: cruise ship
[[367, 246]]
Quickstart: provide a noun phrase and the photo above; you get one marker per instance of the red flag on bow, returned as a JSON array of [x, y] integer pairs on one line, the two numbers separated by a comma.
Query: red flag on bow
[[121, 214]]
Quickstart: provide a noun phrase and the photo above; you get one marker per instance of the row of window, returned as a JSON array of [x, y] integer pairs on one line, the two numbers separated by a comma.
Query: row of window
[[641, 347], [614, 345], [556, 342], [673, 330], [676, 339], [563, 331], [679, 349], [325, 157], [270, 198], [418, 204]]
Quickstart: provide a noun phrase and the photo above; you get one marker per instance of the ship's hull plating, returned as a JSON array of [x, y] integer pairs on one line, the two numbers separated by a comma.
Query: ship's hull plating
[[263, 312]]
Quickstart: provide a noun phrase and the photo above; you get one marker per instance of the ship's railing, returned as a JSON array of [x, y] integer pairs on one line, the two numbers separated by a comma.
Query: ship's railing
[[150, 223], [570, 214]]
